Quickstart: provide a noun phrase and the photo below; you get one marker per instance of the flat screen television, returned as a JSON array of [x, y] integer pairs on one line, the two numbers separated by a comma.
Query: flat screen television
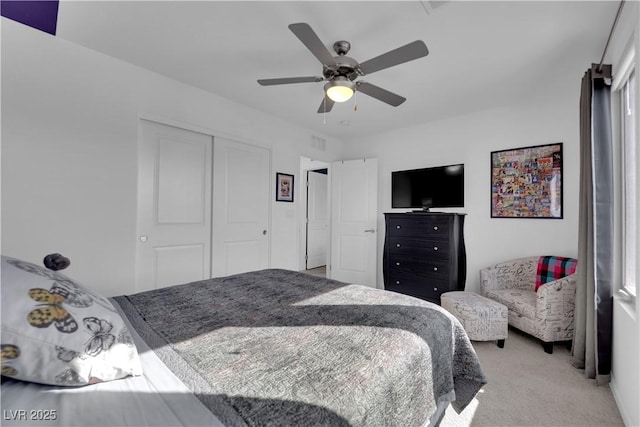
[[437, 187]]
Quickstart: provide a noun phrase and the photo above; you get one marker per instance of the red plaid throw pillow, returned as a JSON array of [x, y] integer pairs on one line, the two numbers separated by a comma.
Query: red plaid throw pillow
[[552, 268]]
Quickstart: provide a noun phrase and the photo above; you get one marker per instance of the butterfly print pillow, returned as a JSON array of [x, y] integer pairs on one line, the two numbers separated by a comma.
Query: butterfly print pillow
[[56, 331]]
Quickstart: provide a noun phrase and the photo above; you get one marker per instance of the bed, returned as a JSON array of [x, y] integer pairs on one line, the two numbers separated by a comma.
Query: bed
[[265, 348]]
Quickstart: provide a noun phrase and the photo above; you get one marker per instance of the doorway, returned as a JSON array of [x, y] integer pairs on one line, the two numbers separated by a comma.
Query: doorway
[[317, 224], [314, 217], [351, 196]]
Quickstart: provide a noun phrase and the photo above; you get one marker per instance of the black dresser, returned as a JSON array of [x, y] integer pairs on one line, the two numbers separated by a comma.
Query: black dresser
[[424, 254]]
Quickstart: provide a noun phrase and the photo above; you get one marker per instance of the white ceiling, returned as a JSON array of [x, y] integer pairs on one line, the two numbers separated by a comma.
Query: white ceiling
[[482, 54]]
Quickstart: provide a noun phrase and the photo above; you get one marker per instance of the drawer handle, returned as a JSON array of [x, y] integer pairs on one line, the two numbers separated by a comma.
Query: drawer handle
[[397, 282], [397, 245], [398, 227], [435, 248], [435, 289], [435, 268], [435, 228], [397, 263]]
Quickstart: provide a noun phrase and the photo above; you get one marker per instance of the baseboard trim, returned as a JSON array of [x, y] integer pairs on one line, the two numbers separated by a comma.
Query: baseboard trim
[[624, 413]]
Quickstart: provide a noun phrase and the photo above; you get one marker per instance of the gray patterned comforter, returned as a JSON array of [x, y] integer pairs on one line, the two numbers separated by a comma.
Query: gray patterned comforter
[[276, 348]]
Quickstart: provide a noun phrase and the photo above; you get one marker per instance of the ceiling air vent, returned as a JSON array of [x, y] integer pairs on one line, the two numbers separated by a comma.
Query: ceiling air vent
[[318, 143]]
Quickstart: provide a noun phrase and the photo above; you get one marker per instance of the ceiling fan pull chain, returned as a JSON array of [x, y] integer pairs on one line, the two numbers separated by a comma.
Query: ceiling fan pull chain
[[324, 114], [355, 100]]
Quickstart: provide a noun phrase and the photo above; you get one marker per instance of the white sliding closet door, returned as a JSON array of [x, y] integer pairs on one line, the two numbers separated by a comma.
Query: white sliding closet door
[[241, 204], [174, 206]]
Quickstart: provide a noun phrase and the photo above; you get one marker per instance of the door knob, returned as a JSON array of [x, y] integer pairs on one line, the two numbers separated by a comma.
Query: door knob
[[144, 238], [264, 232]]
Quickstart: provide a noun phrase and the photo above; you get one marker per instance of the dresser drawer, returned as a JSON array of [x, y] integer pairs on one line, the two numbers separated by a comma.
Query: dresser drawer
[[433, 226], [417, 286], [425, 247], [422, 270]]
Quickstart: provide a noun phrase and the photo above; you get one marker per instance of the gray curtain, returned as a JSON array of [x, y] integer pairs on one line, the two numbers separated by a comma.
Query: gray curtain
[[591, 347]]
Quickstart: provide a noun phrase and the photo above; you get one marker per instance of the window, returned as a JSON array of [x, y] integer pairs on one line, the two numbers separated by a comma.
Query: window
[[630, 186]]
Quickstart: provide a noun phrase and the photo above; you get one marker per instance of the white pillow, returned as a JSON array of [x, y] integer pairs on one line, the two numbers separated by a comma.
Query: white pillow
[[55, 331]]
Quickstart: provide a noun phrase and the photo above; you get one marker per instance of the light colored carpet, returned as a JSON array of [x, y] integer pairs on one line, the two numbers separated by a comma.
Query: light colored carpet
[[528, 387], [319, 271]]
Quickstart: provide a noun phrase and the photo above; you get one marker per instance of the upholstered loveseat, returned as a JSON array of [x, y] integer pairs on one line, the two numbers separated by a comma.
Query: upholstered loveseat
[[546, 313]]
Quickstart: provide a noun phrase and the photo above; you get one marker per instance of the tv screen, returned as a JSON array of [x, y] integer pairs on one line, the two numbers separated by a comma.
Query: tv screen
[[438, 187]]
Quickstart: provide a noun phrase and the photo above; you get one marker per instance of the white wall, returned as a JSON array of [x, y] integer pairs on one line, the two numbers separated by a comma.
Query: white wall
[[470, 139], [625, 370], [69, 153]]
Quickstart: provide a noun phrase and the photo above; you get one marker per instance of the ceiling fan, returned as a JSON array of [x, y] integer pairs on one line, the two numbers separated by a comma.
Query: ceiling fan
[[340, 72]]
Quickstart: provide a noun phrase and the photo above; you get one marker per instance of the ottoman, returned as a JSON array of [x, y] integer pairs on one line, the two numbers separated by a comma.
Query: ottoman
[[482, 318]]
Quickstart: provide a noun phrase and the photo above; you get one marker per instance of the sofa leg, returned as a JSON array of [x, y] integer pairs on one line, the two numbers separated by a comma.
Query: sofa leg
[[501, 343], [548, 347]]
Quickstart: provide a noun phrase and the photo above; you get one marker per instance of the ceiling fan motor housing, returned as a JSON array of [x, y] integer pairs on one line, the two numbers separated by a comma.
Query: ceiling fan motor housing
[[345, 67]]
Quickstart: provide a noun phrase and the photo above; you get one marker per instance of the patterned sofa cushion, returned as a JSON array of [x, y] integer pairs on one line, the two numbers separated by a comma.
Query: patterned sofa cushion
[[517, 301]]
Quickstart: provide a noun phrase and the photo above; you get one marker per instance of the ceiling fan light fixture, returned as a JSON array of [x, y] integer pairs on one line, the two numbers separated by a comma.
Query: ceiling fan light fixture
[[340, 89]]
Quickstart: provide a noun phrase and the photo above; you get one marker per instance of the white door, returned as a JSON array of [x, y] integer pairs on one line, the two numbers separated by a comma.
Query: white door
[[242, 190], [317, 219], [174, 206], [354, 206]]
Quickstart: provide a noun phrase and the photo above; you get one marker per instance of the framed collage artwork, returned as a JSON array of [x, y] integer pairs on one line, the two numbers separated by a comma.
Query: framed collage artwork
[[527, 182]]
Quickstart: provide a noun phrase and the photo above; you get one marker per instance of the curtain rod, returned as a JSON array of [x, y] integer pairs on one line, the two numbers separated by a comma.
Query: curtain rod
[[613, 27]]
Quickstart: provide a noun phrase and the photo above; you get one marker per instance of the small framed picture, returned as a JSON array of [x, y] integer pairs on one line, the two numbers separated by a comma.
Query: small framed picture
[[284, 187]]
